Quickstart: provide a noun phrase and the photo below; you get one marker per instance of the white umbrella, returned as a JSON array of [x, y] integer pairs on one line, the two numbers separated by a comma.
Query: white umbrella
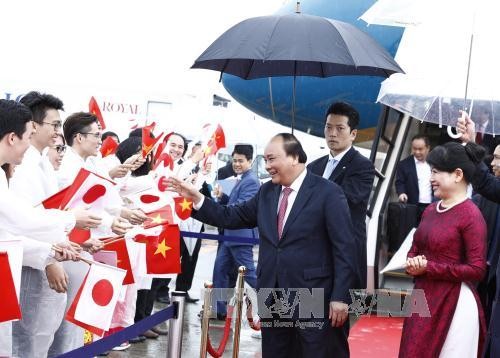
[[450, 57]]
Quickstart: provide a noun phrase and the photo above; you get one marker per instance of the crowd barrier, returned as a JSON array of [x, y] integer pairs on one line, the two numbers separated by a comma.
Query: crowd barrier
[[173, 313]]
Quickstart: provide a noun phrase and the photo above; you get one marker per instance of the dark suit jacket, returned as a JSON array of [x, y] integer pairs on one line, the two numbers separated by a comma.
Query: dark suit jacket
[[407, 180], [488, 186], [354, 173], [244, 190], [316, 249]]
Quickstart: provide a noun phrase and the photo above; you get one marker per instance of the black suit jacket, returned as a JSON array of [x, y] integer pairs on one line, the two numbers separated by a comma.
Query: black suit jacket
[[488, 186], [316, 249], [407, 180], [354, 173]]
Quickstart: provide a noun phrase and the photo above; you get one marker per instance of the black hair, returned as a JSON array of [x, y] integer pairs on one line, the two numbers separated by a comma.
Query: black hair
[[136, 133], [129, 147], [292, 147], [77, 123], [345, 109], [451, 156], [423, 137], [13, 118], [243, 149], [109, 134], [39, 103]]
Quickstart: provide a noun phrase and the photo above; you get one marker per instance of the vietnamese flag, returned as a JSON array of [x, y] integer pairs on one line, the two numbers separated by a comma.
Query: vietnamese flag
[[161, 216], [216, 142], [95, 302], [148, 141], [123, 259], [10, 309], [108, 147], [163, 252], [96, 111], [183, 207], [167, 161]]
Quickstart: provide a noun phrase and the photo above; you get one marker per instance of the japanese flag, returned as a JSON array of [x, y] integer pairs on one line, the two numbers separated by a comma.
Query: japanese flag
[[151, 200], [96, 299], [88, 190]]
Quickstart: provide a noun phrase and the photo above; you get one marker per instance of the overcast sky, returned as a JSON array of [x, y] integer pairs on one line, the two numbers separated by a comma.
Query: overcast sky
[[131, 45]]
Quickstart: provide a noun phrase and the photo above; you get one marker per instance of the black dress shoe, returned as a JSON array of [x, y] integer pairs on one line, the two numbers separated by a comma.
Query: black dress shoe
[[159, 330], [165, 300], [137, 339], [190, 299]]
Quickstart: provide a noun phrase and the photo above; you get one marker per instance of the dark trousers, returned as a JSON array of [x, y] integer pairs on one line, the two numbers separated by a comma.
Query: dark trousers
[[188, 266], [146, 300]]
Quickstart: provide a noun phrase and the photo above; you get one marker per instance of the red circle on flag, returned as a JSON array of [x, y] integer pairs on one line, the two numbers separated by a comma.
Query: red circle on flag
[[148, 198], [102, 292], [162, 183], [94, 193]]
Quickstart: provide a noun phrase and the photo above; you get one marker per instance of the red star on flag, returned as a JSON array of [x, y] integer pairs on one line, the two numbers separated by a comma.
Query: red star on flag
[[183, 207], [108, 147]]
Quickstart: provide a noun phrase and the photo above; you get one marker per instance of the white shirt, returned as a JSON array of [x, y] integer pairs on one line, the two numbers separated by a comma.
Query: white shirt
[[70, 166], [18, 218], [32, 179], [295, 186], [32, 182], [424, 181]]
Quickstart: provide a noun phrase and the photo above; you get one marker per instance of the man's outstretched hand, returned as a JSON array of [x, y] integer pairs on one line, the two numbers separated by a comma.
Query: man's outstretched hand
[[184, 188]]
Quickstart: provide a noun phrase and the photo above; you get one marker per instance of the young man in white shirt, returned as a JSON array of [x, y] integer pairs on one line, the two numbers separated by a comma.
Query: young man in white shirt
[[32, 182], [19, 218]]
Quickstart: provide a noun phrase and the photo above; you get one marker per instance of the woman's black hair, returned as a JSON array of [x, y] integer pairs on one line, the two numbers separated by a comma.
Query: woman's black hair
[[129, 147], [451, 156]]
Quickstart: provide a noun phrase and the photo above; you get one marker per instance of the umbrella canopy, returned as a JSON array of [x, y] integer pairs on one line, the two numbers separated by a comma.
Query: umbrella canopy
[[296, 45], [450, 62]]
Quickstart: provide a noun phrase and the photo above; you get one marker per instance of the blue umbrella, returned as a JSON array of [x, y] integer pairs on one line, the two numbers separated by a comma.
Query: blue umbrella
[[296, 45]]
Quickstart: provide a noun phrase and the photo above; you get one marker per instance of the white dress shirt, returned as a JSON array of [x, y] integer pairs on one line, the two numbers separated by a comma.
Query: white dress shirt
[[19, 218], [332, 163], [424, 181], [70, 166], [295, 186], [32, 179]]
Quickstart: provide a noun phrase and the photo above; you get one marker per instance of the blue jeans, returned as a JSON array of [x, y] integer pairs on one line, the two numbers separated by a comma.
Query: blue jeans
[[229, 258]]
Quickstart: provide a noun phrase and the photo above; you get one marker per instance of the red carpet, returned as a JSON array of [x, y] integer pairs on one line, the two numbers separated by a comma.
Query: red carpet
[[374, 337]]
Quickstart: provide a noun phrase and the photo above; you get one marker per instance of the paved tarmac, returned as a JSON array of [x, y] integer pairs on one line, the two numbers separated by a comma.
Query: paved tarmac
[[249, 346]]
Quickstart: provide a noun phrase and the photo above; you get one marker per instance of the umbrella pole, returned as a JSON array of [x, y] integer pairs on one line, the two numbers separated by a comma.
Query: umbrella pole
[[293, 105], [468, 71], [271, 98]]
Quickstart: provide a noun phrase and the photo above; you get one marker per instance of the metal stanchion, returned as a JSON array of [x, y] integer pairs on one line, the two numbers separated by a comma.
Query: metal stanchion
[[175, 326], [207, 312], [239, 307]]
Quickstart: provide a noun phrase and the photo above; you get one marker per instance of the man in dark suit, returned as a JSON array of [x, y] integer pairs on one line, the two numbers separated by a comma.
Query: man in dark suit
[[231, 255], [413, 176], [306, 242], [488, 185], [349, 169]]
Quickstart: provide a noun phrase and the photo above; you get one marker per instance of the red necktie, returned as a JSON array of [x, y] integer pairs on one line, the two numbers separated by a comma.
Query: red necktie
[[282, 210], [479, 138]]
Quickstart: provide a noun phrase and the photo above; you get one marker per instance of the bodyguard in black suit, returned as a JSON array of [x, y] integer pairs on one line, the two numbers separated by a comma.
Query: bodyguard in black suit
[[488, 185], [306, 242], [352, 171]]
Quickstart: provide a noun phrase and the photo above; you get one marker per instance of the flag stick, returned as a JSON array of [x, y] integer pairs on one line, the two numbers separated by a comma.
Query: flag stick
[[58, 249]]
